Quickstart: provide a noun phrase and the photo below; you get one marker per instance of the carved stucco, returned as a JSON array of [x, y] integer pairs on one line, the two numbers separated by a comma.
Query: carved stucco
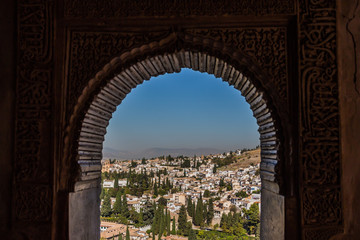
[[318, 91]]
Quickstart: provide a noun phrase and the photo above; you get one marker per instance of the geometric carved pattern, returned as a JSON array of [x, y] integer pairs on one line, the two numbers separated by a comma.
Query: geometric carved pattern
[[322, 234], [130, 8], [33, 202], [266, 46], [32, 175], [90, 51], [322, 205], [319, 131], [319, 154], [104, 103]]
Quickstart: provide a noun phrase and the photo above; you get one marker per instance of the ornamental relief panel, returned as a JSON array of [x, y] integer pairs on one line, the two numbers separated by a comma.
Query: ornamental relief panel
[[91, 51], [266, 46], [32, 176], [319, 120], [184, 8]]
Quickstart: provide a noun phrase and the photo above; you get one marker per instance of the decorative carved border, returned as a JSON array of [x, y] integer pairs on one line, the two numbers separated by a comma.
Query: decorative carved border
[[319, 120], [184, 8], [32, 177], [89, 41]]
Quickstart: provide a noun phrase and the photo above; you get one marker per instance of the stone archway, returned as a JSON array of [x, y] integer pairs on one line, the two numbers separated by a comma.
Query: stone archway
[[115, 82]]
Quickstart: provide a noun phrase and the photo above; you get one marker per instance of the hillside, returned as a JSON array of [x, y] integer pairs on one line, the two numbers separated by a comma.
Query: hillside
[[244, 160]]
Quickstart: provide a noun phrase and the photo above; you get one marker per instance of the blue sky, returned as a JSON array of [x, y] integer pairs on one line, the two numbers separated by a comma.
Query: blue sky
[[182, 110]]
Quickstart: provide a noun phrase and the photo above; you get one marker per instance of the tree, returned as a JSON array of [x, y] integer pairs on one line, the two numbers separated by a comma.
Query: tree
[[173, 231], [198, 219], [116, 181], [102, 194], [210, 213], [242, 194], [133, 164], [222, 183], [120, 237], [143, 161], [253, 218], [106, 206], [118, 203], [162, 201], [155, 189], [168, 223], [189, 206], [214, 169], [233, 208], [182, 220], [127, 233], [125, 210], [206, 193], [192, 235]]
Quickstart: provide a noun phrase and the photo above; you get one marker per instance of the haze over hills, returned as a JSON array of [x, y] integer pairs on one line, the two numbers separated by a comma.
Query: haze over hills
[[156, 152]]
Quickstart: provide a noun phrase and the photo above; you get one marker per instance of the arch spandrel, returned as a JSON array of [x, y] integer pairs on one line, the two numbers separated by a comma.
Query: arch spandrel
[[131, 68]]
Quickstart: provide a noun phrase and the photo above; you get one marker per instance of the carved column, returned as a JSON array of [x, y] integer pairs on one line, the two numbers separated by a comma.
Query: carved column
[[319, 121]]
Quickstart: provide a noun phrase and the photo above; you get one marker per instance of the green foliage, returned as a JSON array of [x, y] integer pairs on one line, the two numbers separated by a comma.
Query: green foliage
[[116, 182], [253, 218], [182, 220], [199, 212], [233, 224], [127, 233], [220, 162], [241, 194], [185, 164], [173, 230], [162, 201], [120, 237], [206, 193], [210, 212], [133, 164], [192, 235], [106, 206], [143, 161], [124, 209], [117, 204], [189, 205]]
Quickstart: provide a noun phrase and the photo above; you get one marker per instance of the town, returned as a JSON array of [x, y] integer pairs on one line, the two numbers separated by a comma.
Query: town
[[200, 197]]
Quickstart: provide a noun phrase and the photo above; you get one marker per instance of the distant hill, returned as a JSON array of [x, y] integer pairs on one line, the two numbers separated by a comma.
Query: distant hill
[[244, 160], [156, 152]]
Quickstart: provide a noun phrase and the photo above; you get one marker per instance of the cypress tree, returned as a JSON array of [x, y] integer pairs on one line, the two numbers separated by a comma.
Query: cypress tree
[[102, 194], [192, 235], [173, 231], [118, 203], [116, 181], [120, 237], [182, 219], [198, 219], [127, 233], [210, 213], [168, 224], [106, 206], [155, 189], [125, 210], [189, 207]]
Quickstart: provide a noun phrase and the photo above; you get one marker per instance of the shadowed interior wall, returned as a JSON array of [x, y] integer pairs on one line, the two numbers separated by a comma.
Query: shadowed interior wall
[[348, 27]]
